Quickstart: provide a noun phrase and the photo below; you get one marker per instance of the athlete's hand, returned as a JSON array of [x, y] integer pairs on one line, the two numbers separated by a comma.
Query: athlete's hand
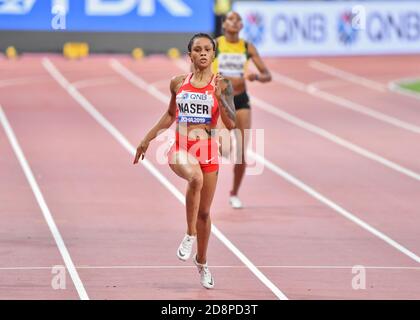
[[252, 77], [218, 86], [141, 151]]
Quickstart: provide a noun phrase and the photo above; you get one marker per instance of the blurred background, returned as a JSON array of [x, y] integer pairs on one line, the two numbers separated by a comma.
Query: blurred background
[[277, 28]]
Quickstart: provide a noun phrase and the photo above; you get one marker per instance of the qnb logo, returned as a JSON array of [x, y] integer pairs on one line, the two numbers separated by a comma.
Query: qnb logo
[[347, 33], [254, 27], [292, 28], [16, 6], [144, 7], [404, 25]]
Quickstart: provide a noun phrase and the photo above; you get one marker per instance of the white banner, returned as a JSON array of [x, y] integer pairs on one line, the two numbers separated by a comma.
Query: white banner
[[331, 28]]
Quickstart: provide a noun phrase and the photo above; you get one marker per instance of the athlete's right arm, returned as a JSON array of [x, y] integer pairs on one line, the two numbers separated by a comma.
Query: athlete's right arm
[[164, 122]]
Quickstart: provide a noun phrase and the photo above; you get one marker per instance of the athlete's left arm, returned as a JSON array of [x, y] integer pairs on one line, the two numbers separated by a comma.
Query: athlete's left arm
[[265, 75], [224, 95]]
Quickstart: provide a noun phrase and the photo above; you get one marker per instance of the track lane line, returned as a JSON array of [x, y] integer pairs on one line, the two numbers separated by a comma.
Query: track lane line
[[346, 76], [269, 108], [43, 205], [21, 81], [94, 82], [139, 82], [324, 84], [345, 103], [363, 81], [331, 204], [116, 267], [76, 95], [394, 86]]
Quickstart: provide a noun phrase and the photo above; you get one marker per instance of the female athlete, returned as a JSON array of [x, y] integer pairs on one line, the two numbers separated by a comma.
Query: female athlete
[[231, 60], [197, 101]]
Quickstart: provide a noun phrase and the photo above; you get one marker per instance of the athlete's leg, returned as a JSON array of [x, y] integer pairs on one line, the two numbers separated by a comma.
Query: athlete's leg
[[243, 122], [188, 168], [204, 221]]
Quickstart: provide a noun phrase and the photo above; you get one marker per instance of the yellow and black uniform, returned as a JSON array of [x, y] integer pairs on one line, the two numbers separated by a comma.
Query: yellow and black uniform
[[231, 61]]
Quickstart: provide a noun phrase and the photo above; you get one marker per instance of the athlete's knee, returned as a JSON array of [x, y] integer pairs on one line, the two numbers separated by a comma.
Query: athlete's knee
[[196, 180], [203, 215]]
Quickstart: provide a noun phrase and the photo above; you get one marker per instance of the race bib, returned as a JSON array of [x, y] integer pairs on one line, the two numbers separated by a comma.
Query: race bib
[[194, 107], [232, 64]]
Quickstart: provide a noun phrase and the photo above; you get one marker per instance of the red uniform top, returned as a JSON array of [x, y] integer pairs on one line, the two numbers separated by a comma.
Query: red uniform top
[[196, 105]]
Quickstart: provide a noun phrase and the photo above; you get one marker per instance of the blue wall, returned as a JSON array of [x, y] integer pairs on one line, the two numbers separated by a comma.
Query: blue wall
[[107, 15]]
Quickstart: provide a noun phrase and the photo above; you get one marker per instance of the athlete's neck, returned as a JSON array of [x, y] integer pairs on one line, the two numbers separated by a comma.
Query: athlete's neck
[[202, 75], [232, 37]]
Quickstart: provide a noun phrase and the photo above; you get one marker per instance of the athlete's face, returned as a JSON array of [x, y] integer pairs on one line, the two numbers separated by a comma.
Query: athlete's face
[[202, 53], [233, 23]]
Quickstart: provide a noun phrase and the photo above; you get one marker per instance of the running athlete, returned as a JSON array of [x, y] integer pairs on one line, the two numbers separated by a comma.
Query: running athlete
[[197, 101], [232, 57]]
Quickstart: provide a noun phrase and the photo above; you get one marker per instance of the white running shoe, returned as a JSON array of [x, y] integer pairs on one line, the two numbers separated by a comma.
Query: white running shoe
[[185, 248], [235, 202], [206, 278]]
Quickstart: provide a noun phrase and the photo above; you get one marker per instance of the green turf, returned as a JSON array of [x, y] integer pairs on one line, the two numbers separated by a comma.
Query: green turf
[[413, 86]]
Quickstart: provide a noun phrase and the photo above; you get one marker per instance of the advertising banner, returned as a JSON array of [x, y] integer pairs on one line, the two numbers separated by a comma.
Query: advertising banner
[[331, 28]]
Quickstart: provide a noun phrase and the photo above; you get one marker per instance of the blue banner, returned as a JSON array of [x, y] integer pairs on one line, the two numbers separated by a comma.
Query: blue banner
[[107, 15]]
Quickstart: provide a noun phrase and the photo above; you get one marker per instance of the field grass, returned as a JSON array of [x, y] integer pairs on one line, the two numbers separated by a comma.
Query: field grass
[[413, 86]]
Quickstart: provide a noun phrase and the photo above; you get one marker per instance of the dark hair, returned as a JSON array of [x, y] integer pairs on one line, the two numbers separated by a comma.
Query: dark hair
[[201, 35], [224, 17]]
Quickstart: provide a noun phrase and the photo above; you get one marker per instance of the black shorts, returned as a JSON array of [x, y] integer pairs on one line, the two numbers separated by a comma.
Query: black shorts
[[241, 101]]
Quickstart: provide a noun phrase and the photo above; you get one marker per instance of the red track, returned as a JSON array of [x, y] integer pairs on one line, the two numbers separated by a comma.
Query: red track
[[121, 226]]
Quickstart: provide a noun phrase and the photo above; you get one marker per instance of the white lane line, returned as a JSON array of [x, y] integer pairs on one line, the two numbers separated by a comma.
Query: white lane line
[[329, 203], [394, 86], [184, 65], [345, 103], [138, 82], [334, 138], [73, 92], [269, 108], [161, 83], [22, 81], [95, 82], [214, 266], [130, 75], [347, 76], [359, 80], [327, 84], [43, 205]]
